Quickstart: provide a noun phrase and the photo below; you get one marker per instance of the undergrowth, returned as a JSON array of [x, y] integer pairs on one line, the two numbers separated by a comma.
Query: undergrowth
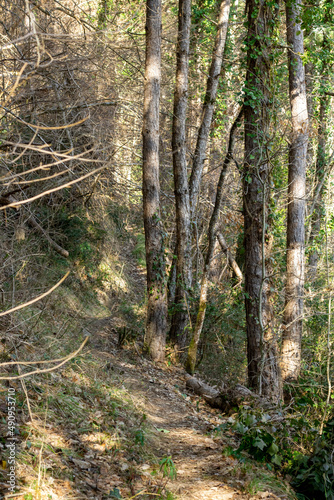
[[286, 441]]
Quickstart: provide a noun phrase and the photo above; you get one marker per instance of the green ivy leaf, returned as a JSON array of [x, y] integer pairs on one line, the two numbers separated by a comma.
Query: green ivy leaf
[[276, 459], [115, 493], [259, 443], [273, 449]]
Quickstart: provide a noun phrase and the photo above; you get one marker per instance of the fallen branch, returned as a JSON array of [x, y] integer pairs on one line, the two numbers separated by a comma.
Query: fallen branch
[[232, 262], [209, 394], [36, 299], [49, 191], [47, 370], [33, 222]]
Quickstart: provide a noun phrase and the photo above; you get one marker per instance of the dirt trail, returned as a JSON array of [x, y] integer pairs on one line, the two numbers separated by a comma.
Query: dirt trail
[[89, 449], [184, 433]]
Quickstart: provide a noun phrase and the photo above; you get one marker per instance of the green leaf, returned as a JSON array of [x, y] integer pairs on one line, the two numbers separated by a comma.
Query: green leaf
[[259, 443], [241, 428], [276, 459], [250, 420], [273, 449], [115, 493]]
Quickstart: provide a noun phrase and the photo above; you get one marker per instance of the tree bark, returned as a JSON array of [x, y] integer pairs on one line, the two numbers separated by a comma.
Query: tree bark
[[294, 291], [156, 316], [196, 334], [178, 332], [263, 371], [320, 175], [208, 105]]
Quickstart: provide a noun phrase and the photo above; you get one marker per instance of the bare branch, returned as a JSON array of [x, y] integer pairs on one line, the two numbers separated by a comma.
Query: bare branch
[[36, 299], [49, 191], [47, 370]]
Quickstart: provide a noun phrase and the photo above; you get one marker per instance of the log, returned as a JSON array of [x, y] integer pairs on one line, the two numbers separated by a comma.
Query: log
[[227, 400], [209, 394]]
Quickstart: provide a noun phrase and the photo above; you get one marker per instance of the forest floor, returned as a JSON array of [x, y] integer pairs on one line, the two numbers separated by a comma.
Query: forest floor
[[105, 426]]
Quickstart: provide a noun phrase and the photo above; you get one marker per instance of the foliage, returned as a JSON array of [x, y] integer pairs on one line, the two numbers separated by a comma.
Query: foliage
[[314, 475], [274, 439], [222, 346], [168, 468], [139, 250]]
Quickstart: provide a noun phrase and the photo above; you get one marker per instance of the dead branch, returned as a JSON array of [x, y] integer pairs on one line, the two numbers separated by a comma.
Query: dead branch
[[49, 191], [33, 222], [232, 262], [36, 299], [226, 400], [47, 370]]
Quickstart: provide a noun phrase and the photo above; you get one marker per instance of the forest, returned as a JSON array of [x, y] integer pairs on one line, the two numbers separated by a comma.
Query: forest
[[167, 262]]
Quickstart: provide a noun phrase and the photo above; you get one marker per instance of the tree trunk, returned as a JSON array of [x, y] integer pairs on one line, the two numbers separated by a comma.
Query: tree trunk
[[192, 351], [178, 333], [293, 312], [320, 175], [156, 318], [208, 105], [263, 373], [321, 171]]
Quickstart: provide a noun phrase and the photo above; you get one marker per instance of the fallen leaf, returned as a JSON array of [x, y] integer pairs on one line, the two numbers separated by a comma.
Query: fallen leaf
[[81, 463]]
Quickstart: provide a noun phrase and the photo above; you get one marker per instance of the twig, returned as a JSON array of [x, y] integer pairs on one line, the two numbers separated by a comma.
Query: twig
[[58, 248]]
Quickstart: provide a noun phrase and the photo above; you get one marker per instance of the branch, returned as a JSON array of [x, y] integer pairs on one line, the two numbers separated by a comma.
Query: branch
[[36, 299], [232, 262], [47, 370], [54, 245], [49, 191]]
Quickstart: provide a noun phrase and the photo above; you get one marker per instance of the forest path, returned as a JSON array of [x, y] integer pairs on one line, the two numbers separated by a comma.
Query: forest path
[[182, 424], [112, 416]]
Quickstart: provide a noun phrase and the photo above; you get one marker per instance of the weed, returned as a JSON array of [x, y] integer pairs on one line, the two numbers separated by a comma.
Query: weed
[[139, 437], [139, 250], [167, 467]]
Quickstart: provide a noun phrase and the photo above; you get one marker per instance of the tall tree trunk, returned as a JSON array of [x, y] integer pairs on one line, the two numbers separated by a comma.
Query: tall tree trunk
[[208, 105], [196, 334], [178, 333], [320, 174], [263, 373], [293, 312], [156, 318]]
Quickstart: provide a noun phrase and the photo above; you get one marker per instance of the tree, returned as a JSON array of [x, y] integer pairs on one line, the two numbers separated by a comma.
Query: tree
[[156, 317], [196, 334], [263, 375], [202, 135], [294, 291], [178, 333], [208, 105]]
